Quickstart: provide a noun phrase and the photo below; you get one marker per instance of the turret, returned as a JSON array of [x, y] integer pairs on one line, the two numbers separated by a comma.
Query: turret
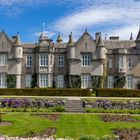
[[44, 40], [131, 36], [101, 49], [59, 38], [70, 47], [18, 49], [138, 40]]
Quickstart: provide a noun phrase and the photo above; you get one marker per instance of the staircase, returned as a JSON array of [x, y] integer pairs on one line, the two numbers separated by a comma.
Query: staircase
[[74, 106]]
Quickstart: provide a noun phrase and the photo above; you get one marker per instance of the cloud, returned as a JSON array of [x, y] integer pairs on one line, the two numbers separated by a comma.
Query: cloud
[[114, 17], [125, 31]]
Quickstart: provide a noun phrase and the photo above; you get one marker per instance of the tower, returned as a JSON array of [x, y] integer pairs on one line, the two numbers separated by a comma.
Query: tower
[[18, 56], [101, 49], [70, 47], [59, 38]]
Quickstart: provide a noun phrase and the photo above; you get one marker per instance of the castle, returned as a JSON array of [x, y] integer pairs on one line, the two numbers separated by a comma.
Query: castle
[[85, 63]]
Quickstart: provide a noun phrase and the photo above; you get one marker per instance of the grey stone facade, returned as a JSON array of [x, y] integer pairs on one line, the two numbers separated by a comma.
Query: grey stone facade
[[85, 63]]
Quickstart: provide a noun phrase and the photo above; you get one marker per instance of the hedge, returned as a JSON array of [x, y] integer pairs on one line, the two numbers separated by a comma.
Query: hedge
[[45, 92], [116, 92]]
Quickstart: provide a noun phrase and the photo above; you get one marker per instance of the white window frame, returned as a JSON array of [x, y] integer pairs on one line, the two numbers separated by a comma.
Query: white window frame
[[60, 81], [28, 80], [61, 61], [121, 62], [29, 61], [3, 83], [43, 80], [129, 63], [86, 60], [129, 81], [110, 63], [110, 81], [43, 60], [85, 81], [3, 59]]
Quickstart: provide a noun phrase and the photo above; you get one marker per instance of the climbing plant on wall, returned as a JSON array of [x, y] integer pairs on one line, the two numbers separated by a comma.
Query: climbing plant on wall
[[34, 80], [97, 81], [11, 81], [75, 81], [119, 81]]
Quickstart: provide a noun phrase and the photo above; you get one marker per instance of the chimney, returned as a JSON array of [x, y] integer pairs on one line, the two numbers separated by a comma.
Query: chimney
[[114, 37]]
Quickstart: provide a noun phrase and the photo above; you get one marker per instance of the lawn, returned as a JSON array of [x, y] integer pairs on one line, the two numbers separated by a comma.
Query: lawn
[[71, 125]]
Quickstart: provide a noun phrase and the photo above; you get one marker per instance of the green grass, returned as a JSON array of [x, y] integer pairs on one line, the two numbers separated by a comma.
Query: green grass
[[71, 125]]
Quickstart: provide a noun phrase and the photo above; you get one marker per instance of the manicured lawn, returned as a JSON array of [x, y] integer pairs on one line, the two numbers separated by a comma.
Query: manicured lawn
[[72, 125]]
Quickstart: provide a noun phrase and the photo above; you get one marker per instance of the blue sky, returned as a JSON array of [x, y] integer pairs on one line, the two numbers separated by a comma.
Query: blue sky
[[111, 17]]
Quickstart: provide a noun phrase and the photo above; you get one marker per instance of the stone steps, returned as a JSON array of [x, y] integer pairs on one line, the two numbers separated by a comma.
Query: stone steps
[[74, 106]]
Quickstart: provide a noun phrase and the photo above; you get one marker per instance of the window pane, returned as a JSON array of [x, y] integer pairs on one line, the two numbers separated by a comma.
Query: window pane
[[2, 80], [60, 81], [43, 59], [43, 80], [61, 61], [28, 80], [86, 60], [110, 81]]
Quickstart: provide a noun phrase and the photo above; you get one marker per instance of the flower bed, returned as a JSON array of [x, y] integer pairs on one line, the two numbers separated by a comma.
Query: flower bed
[[118, 118], [112, 106], [33, 105], [127, 134]]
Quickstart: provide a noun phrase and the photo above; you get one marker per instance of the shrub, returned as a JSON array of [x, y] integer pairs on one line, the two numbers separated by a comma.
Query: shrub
[[117, 92], [46, 92]]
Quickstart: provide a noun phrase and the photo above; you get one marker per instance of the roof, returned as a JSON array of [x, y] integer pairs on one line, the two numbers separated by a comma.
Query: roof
[[114, 44], [100, 41], [28, 45], [60, 45]]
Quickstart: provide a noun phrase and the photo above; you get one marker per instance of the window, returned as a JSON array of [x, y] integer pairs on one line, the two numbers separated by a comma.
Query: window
[[60, 81], [43, 80], [3, 80], [85, 81], [110, 81], [110, 63], [121, 62], [129, 63], [28, 61], [61, 61], [3, 59], [28, 80], [85, 60], [43, 60], [129, 81]]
